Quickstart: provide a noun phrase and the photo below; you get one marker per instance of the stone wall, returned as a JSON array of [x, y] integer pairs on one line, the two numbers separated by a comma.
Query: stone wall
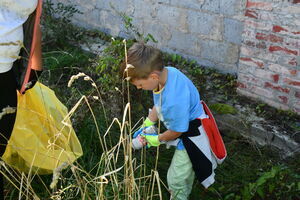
[[208, 31], [269, 57], [256, 39]]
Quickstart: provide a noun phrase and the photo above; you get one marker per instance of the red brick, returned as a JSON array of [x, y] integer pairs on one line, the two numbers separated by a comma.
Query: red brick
[[276, 104], [284, 49], [292, 42], [262, 92], [257, 63], [248, 33], [245, 68], [288, 60], [259, 5], [296, 1], [248, 51], [271, 37], [289, 9], [250, 43], [258, 25], [243, 78], [267, 16], [268, 56], [278, 68], [248, 78], [267, 100], [281, 89], [283, 99], [282, 69], [251, 13], [275, 78], [263, 74], [293, 62], [278, 29], [293, 72], [292, 82], [274, 38], [241, 85], [261, 36], [261, 45], [246, 59]]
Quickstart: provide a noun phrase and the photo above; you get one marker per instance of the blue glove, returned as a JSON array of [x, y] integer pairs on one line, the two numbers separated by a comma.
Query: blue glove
[[138, 132], [145, 125]]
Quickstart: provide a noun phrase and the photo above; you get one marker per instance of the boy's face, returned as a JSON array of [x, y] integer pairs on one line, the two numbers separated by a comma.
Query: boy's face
[[149, 83]]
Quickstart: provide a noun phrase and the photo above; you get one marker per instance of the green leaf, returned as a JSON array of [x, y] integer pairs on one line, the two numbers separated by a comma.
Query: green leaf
[[271, 188], [260, 192], [221, 108]]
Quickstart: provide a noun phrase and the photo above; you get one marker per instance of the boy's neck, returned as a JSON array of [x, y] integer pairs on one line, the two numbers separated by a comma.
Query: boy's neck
[[163, 78]]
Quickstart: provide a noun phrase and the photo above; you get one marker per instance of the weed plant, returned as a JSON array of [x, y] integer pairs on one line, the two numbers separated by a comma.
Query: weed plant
[[56, 27]]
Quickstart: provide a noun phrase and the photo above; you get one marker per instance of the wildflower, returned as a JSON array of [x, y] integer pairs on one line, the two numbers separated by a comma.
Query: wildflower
[[75, 77], [87, 78], [96, 97], [94, 85]]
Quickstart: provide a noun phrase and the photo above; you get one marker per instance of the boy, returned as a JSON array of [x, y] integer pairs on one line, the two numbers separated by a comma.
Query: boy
[[177, 104]]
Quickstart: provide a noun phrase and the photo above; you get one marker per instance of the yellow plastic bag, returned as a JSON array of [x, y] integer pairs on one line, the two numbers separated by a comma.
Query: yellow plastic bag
[[43, 137]]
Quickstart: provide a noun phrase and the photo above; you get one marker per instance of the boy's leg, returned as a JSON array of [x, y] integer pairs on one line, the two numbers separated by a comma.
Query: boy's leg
[[180, 176]]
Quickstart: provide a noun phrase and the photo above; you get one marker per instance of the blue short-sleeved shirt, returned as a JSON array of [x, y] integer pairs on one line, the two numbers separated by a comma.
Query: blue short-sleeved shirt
[[178, 102]]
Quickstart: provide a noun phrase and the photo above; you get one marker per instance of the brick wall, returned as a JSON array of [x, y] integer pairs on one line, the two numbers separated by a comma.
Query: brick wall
[[269, 55], [258, 40]]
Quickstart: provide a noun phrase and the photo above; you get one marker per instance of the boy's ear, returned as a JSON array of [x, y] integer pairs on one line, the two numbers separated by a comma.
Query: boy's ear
[[154, 75]]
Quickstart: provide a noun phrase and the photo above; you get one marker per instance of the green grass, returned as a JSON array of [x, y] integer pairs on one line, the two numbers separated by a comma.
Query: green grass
[[245, 164], [249, 172]]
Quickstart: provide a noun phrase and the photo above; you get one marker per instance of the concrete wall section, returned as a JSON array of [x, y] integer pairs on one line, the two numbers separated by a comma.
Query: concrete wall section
[[191, 28]]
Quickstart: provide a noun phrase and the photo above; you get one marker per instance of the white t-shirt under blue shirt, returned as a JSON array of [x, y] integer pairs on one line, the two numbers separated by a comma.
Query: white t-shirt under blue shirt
[[178, 102]]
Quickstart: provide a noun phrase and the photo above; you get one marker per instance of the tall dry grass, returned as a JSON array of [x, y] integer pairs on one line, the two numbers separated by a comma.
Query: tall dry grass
[[119, 174]]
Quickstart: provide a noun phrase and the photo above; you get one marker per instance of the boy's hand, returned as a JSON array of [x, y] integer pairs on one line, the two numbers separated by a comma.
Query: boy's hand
[[146, 124], [138, 132], [152, 139]]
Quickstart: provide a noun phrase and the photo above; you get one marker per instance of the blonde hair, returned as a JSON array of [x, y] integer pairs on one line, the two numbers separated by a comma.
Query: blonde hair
[[144, 59]]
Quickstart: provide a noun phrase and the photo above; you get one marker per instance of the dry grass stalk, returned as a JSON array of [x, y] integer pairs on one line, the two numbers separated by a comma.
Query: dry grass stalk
[[117, 170]]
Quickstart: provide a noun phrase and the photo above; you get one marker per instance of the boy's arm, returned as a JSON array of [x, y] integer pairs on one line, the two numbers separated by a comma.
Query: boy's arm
[[153, 115], [169, 135], [156, 140]]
